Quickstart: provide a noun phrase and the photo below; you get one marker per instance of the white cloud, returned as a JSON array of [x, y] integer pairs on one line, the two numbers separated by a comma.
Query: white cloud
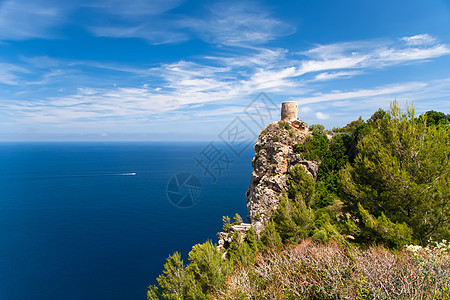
[[132, 9], [47, 78], [90, 105], [149, 32], [390, 91], [424, 96], [420, 39], [365, 55], [9, 73], [238, 23], [335, 75], [149, 20], [28, 19], [21, 20], [389, 56], [272, 79], [225, 22], [304, 109], [322, 116], [216, 84], [254, 57]]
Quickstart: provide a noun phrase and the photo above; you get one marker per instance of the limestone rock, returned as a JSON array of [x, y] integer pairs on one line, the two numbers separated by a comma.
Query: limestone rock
[[225, 237], [274, 159]]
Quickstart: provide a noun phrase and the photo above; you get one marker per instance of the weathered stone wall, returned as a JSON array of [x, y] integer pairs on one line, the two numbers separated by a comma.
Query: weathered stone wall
[[289, 111]]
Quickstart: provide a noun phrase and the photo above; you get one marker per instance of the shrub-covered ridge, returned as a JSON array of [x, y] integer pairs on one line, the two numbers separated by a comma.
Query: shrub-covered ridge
[[313, 270], [384, 182]]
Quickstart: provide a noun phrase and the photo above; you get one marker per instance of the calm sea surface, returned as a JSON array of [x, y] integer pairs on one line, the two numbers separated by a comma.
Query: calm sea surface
[[93, 220]]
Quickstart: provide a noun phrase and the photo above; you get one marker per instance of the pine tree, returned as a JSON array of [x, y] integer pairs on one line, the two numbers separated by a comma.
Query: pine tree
[[226, 223], [172, 282], [382, 230], [270, 238], [403, 171], [237, 219], [207, 270], [300, 185], [250, 239]]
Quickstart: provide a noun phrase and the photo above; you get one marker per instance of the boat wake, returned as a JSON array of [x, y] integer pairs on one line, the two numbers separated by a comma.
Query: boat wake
[[49, 176]]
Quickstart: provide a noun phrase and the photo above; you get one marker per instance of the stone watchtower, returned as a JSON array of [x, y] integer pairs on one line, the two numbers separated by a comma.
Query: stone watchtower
[[289, 111]]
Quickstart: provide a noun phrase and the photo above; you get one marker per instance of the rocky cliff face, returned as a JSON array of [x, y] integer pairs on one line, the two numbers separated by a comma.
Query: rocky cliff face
[[274, 159], [225, 237]]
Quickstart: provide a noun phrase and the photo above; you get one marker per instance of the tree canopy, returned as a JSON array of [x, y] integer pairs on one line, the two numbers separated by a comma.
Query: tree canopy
[[402, 171]]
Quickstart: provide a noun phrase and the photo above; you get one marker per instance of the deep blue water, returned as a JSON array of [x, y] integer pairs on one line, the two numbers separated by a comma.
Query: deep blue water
[[75, 223]]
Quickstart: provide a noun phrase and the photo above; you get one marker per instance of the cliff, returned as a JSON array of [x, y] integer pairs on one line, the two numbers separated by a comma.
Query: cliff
[[274, 159], [315, 235]]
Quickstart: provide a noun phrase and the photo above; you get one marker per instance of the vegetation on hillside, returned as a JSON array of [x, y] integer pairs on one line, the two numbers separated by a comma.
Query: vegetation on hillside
[[382, 184], [313, 270]]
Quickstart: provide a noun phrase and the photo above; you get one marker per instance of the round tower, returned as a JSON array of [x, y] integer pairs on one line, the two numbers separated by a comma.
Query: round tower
[[289, 111]]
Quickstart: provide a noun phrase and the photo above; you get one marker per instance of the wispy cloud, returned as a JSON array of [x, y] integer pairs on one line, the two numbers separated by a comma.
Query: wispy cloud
[[30, 19], [365, 55], [156, 35], [224, 22], [21, 20], [9, 73], [238, 24], [134, 9], [217, 85], [420, 39], [334, 75], [253, 57], [322, 116], [391, 91], [148, 20], [341, 107]]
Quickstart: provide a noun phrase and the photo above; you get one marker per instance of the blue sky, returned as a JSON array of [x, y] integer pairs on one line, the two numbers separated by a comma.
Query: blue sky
[[183, 70]]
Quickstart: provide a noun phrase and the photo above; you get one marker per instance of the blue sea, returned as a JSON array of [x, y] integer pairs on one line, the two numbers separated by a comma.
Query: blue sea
[[95, 220]]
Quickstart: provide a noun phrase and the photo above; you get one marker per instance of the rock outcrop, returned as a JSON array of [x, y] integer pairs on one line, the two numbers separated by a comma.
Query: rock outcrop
[[225, 237], [274, 159]]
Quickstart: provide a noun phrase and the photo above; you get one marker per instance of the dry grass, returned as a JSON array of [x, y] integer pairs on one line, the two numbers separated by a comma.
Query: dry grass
[[331, 271]]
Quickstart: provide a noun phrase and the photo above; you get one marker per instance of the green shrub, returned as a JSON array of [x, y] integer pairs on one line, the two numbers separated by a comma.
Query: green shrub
[[384, 182], [284, 125], [226, 223], [207, 270], [172, 283], [435, 118], [237, 220], [315, 147], [250, 239], [317, 129], [293, 220], [403, 171], [382, 230], [270, 238], [300, 185]]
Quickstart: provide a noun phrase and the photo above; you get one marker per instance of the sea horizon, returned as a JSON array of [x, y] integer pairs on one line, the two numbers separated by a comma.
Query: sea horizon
[[73, 229]]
